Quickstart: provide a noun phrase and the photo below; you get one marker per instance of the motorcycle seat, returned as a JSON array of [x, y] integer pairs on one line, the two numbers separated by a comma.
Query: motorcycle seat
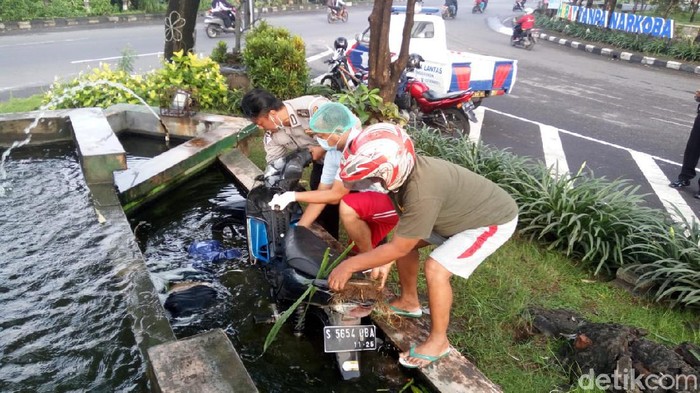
[[432, 95], [305, 250]]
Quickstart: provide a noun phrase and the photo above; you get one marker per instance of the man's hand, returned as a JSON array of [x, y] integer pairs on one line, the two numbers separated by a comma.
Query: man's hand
[[280, 201], [381, 273], [317, 152], [339, 276], [697, 95]]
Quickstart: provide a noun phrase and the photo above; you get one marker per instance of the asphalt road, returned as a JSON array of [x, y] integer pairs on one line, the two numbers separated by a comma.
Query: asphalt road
[[621, 119]]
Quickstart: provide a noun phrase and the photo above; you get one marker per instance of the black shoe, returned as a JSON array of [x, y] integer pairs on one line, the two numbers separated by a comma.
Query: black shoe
[[679, 183]]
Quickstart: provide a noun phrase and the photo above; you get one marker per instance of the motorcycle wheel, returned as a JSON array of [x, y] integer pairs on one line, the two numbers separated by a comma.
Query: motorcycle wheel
[[330, 18], [475, 9], [344, 18], [332, 83], [212, 31], [452, 122]]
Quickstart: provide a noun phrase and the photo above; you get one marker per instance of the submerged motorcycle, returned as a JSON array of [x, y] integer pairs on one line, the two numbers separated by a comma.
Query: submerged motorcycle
[[214, 24], [451, 112], [290, 257]]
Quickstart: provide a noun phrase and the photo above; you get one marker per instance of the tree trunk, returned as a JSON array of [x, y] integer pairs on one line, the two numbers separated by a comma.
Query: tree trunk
[[671, 5], [694, 6], [610, 6], [383, 73], [180, 21]]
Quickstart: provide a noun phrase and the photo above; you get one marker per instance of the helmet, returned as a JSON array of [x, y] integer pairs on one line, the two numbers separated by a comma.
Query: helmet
[[340, 43], [528, 11], [414, 60], [332, 118], [381, 151]]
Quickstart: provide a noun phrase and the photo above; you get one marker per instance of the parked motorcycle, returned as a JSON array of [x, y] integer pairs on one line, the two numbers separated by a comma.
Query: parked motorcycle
[[451, 112], [340, 15], [526, 39], [214, 24], [449, 12], [519, 5], [339, 77], [290, 257]]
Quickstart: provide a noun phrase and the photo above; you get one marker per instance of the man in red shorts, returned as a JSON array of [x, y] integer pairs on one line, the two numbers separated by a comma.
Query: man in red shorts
[[367, 216]]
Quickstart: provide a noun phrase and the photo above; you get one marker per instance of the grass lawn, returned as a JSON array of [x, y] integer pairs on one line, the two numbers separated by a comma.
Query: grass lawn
[[487, 323]]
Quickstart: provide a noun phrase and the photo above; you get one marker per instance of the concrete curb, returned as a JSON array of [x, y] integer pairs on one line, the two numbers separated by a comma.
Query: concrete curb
[[44, 24], [620, 55]]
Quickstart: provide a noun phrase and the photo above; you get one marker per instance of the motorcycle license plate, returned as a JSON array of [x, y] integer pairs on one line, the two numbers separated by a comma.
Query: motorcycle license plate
[[349, 338]]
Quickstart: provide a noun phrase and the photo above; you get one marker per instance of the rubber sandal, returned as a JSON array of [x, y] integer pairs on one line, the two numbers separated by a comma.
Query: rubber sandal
[[406, 313], [431, 359]]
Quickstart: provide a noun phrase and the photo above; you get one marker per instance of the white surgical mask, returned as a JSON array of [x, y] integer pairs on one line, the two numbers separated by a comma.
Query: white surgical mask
[[324, 144]]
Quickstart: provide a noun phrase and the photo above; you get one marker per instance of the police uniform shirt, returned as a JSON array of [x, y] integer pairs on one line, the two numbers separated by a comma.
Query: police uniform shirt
[[279, 143]]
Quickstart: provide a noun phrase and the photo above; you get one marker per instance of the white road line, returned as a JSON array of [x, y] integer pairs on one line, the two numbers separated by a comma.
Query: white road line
[[115, 58], [475, 128], [554, 155], [659, 183], [687, 125], [646, 163], [319, 55]]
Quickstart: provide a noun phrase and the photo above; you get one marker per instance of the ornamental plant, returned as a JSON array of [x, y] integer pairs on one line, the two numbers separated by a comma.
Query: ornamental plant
[[276, 61], [602, 223]]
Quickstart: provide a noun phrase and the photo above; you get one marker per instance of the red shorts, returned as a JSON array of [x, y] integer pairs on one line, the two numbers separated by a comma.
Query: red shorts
[[376, 210]]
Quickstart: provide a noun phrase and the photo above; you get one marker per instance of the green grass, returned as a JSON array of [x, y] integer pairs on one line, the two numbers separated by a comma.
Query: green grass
[[487, 314], [21, 104]]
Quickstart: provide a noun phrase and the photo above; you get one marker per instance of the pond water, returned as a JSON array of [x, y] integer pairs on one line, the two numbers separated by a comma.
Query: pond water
[[64, 325], [166, 229]]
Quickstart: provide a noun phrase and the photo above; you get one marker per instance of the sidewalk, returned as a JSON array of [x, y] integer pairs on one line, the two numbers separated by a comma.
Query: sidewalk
[[597, 49]]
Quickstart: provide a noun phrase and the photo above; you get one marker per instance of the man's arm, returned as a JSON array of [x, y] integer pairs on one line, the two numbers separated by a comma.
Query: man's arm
[[396, 248]]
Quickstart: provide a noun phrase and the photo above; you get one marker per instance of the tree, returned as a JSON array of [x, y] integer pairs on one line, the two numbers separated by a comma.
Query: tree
[[383, 73], [180, 21]]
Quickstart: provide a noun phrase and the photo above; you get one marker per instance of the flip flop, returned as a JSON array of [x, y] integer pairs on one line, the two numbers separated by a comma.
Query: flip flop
[[431, 359], [406, 313]]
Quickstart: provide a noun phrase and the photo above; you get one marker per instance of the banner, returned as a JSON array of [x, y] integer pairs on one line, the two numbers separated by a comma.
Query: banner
[[630, 23]]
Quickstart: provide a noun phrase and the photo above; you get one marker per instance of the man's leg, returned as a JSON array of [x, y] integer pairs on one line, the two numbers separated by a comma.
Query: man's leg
[[440, 301], [692, 152], [358, 230], [461, 254], [368, 217], [408, 267]]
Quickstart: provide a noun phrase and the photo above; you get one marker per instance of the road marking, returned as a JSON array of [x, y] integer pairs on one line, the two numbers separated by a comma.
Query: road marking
[[115, 58], [475, 128], [670, 197], [319, 55], [689, 125], [645, 162], [554, 155], [42, 42]]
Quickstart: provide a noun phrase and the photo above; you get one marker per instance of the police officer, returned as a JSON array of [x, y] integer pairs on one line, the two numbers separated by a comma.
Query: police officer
[[691, 155], [286, 124]]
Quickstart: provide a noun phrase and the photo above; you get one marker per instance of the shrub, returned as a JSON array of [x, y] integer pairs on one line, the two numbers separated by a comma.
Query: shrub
[[101, 87], [603, 223], [218, 54], [276, 61], [369, 106]]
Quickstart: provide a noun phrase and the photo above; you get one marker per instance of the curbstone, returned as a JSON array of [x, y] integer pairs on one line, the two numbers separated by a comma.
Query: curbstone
[[624, 56]]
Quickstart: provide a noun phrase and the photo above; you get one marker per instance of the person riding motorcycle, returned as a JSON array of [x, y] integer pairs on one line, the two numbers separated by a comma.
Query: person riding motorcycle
[[336, 5], [523, 24], [453, 3], [224, 10]]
